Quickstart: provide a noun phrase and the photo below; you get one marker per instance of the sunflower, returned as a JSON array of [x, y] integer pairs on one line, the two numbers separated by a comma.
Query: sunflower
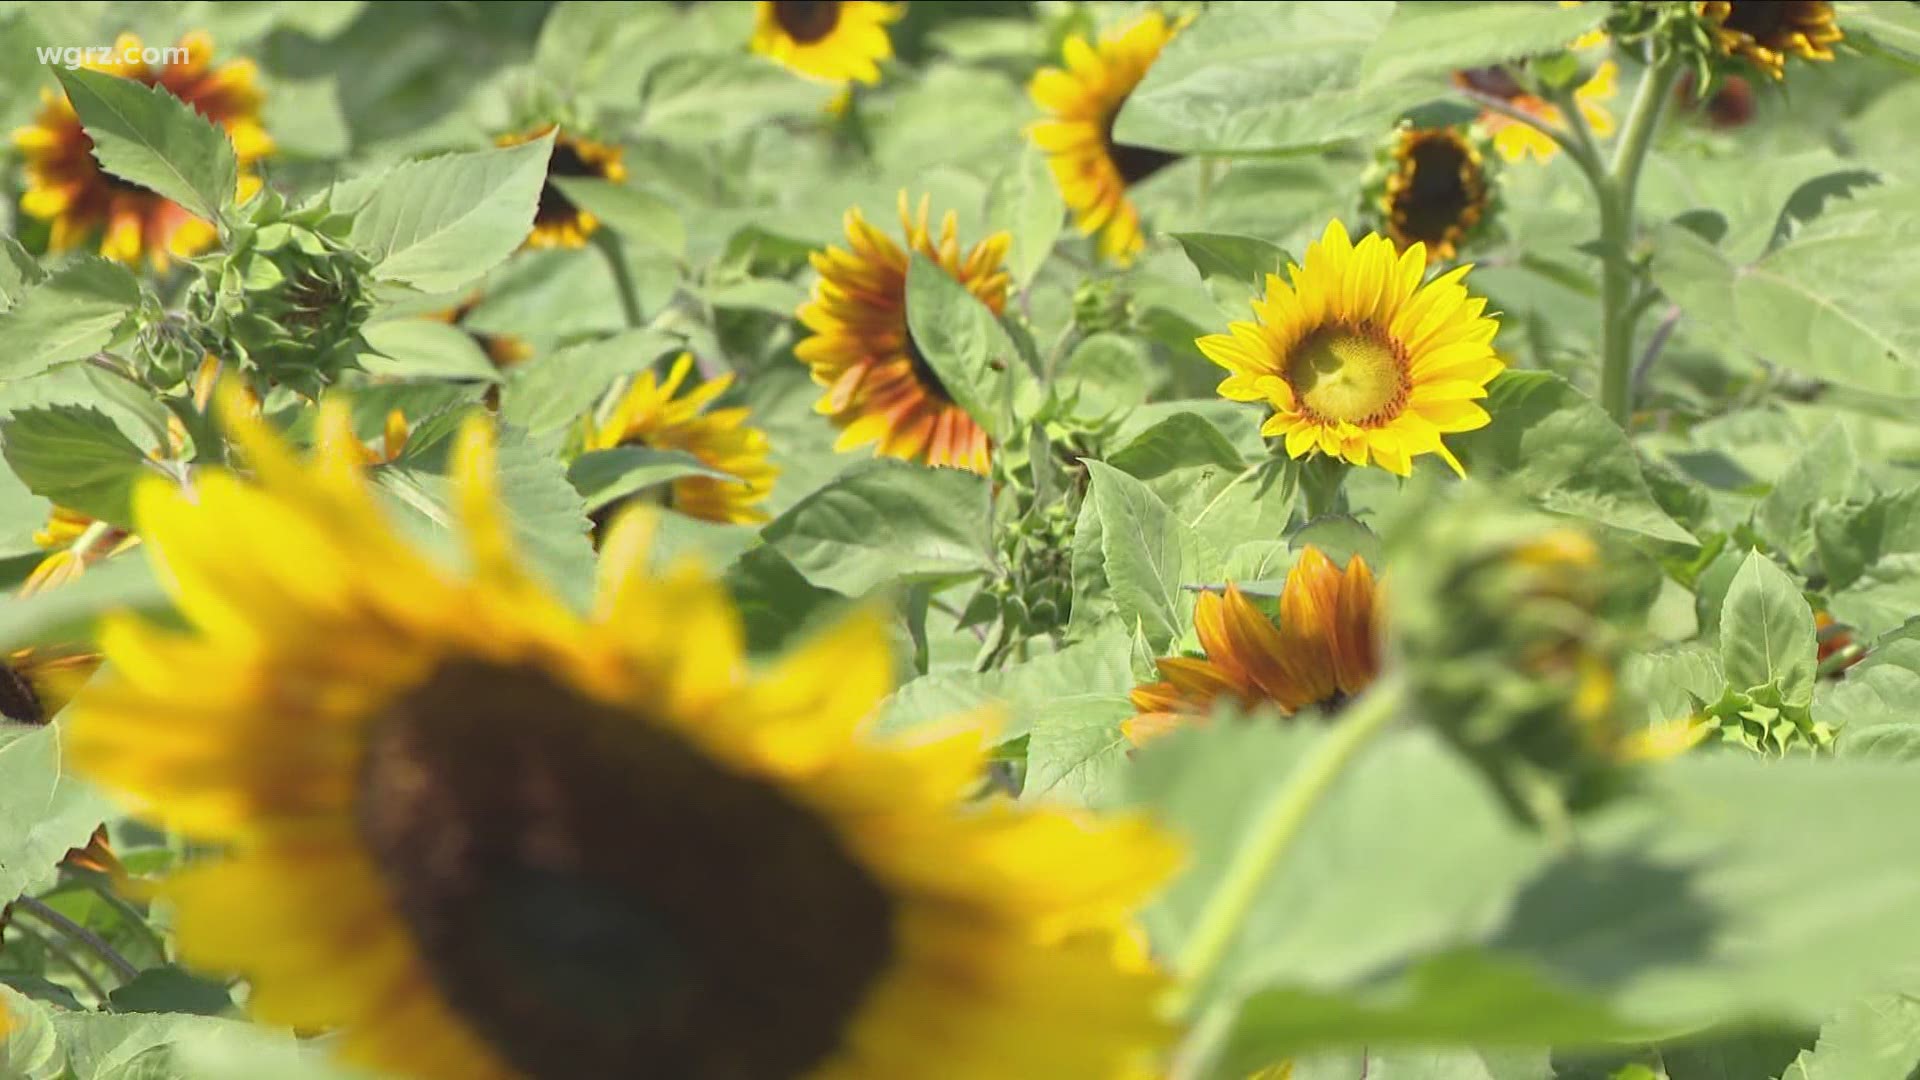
[[650, 416], [1764, 32], [1358, 358], [485, 836], [1437, 191], [1516, 140], [1082, 99], [1325, 649], [557, 222], [880, 387], [67, 187], [834, 41]]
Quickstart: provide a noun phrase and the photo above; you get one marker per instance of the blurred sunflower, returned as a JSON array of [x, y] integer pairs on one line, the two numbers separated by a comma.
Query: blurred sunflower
[[1359, 359], [834, 41], [1437, 190], [557, 222], [1081, 100], [650, 415], [1764, 32], [486, 836], [1516, 140], [505, 350], [1324, 650], [880, 387], [67, 187]]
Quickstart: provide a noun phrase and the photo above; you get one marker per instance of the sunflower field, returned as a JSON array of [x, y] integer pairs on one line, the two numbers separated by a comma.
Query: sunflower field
[[970, 541]]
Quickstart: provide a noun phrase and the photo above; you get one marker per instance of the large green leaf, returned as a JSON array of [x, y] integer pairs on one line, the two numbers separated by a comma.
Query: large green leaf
[[18, 272], [1874, 1039], [635, 214], [423, 349], [1182, 440], [1767, 633], [1025, 691], [440, 223], [1025, 201], [557, 389], [1821, 474], [963, 342], [884, 522], [45, 811], [1436, 37], [1556, 446], [146, 135], [1891, 26], [704, 98], [71, 315], [1266, 78], [76, 457], [1245, 259], [1149, 555], [607, 476]]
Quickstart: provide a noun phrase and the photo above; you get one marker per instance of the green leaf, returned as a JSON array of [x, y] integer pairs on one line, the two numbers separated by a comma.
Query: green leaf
[[1874, 1039], [1766, 632], [22, 513], [425, 349], [67, 613], [777, 605], [1855, 537], [1149, 555], [76, 457], [45, 811], [638, 215], [771, 295], [1182, 440], [1435, 38], [18, 272], [1025, 201], [1258, 78], [31, 1048], [1893, 26], [171, 989], [884, 522], [1077, 752], [709, 97], [145, 135], [963, 342], [607, 476], [557, 388], [1556, 446], [1786, 517], [1026, 691], [172, 1046], [1242, 258], [440, 223], [72, 314]]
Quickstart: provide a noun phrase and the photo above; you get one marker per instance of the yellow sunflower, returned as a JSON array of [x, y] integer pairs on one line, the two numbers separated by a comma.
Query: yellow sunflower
[[1081, 100], [557, 222], [1437, 192], [880, 388], [1516, 140], [1359, 359], [485, 836], [834, 41], [1325, 649], [650, 415], [66, 186], [1764, 32]]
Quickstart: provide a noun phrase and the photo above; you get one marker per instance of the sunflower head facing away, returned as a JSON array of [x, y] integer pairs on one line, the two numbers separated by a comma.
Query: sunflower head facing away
[[1437, 190], [1081, 101], [67, 187], [485, 836], [1358, 358], [836, 41], [1323, 651], [1765, 32], [880, 388], [650, 415], [557, 222], [1516, 140]]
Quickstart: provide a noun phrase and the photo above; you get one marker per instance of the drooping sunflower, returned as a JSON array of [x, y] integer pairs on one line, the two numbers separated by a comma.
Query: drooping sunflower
[[557, 222], [650, 415], [485, 836], [1081, 101], [1765, 32], [1516, 140], [834, 41], [1324, 650], [880, 388], [1358, 358], [67, 187], [1437, 190]]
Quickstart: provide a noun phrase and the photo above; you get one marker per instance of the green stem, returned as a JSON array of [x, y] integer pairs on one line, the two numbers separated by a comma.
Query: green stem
[[97, 944], [610, 247], [1617, 192], [1273, 833], [60, 952]]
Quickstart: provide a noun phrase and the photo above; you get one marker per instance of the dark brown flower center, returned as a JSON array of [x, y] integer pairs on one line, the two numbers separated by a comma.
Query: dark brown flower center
[[1442, 191], [566, 161], [18, 701], [923, 371], [595, 896], [1763, 20], [1134, 163], [807, 21]]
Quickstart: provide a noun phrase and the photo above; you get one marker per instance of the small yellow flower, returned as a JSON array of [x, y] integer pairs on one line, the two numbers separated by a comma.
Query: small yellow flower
[[1516, 140], [834, 41], [1359, 359], [557, 222], [650, 415]]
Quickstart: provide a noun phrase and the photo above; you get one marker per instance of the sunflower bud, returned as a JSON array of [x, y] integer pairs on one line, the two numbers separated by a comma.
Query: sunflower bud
[[1101, 305]]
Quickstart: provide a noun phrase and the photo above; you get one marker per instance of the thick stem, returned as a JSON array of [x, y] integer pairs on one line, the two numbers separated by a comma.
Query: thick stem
[[1273, 833], [1617, 192]]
